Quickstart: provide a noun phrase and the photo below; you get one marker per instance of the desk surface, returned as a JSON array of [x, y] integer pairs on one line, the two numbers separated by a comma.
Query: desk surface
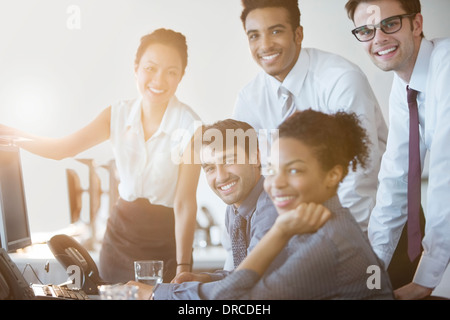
[[38, 264], [33, 260]]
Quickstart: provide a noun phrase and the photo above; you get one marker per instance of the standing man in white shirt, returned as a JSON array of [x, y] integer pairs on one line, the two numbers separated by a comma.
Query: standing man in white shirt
[[296, 78], [391, 33]]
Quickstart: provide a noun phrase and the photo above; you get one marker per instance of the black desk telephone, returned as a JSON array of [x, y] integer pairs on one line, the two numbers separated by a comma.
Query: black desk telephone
[[68, 252]]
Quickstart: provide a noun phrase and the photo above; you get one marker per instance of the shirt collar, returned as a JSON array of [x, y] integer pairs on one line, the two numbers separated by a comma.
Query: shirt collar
[[167, 126], [295, 78], [249, 204], [418, 80]]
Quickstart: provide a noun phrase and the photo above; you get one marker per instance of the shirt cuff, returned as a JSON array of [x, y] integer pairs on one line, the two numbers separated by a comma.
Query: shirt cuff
[[161, 291], [429, 272], [177, 291]]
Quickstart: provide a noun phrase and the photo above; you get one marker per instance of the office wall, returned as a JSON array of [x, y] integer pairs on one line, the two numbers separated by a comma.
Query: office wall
[[63, 61]]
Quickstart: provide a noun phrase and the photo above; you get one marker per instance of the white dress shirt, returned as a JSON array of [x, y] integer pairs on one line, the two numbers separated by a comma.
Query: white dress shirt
[[431, 77], [328, 83], [149, 169]]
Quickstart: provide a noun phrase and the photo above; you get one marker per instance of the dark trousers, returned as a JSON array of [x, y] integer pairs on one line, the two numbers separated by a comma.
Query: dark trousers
[[401, 270]]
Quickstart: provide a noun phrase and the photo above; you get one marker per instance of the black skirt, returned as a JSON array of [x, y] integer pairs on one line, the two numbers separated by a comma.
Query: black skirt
[[137, 230]]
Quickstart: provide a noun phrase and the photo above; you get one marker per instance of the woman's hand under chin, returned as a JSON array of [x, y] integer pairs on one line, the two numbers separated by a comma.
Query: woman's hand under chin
[[306, 218]]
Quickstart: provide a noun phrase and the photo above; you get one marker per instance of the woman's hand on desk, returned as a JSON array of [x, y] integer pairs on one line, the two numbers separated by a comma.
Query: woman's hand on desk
[[145, 291]]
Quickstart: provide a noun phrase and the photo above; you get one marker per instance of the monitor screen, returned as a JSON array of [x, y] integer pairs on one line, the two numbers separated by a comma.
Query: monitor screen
[[14, 225]]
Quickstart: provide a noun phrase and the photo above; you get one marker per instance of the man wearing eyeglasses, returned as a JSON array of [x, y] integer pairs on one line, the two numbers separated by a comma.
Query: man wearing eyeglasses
[[419, 110], [295, 78]]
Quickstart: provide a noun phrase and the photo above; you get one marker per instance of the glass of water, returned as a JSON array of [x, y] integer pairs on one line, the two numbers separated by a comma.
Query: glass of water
[[149, 271]]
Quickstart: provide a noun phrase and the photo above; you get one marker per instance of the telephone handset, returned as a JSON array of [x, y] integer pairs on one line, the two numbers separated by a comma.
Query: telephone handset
[[69, 252]]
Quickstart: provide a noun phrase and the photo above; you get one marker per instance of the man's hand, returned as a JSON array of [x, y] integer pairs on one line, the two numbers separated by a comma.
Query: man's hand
[[190, 276], [145, 291], [412, 291], [306, 218]]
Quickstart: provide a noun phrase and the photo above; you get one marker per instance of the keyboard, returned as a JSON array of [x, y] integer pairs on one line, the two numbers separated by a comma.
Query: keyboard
[[58, 292]]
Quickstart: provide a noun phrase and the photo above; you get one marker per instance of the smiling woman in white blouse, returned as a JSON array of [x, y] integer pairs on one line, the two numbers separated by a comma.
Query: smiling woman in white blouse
[[155, 215]]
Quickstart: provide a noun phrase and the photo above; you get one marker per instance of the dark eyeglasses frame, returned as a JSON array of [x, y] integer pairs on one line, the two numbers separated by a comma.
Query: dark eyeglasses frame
[[380, 26]]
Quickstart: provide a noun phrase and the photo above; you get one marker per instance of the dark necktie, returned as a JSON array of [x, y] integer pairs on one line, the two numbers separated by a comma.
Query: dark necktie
[[238, 239], [414, 178]]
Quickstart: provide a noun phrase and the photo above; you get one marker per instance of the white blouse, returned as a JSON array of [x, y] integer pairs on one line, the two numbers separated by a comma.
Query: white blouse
[[149, 169]]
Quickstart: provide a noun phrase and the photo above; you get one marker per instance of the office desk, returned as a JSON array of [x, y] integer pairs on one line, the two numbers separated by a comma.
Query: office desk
[[33, 260], [32, 263], [38, 265]]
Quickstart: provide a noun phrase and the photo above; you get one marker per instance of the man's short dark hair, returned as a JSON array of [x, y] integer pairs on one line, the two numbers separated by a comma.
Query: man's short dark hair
[[242, 133], [410, 6], [290, 5]]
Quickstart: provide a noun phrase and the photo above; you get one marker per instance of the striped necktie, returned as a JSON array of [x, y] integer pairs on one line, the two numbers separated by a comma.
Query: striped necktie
[[239, 239], [288, 106]]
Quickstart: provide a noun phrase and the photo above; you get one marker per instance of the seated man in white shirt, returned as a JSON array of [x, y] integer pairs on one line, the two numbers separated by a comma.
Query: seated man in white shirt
[[391, 33], [296, 78]]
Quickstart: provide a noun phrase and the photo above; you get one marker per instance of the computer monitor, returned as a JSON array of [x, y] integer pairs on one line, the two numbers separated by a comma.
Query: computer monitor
[[14, 225]]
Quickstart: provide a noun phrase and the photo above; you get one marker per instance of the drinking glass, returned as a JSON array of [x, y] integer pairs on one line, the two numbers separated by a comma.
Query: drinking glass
[[149, 271]]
